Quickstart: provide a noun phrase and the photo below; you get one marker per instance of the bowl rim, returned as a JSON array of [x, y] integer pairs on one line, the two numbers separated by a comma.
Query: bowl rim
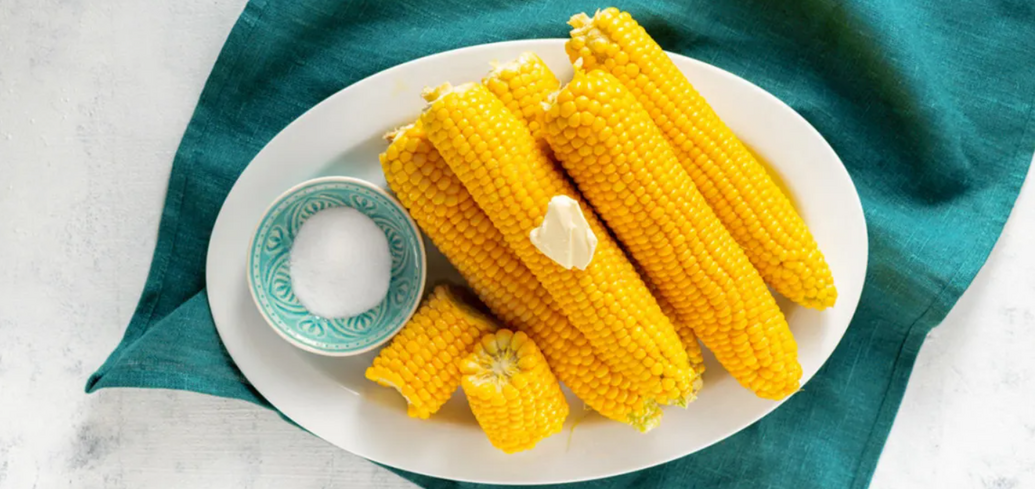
[[359, 183]]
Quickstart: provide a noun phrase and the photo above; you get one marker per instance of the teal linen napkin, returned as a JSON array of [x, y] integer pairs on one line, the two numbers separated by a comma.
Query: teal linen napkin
[[928, 102]]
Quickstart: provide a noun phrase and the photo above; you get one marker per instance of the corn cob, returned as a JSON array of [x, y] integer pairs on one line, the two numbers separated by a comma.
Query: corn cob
[[754, 209], [443, 208], [497, 159], [514, 396], [422, 360], [626, 169], [523, 85]]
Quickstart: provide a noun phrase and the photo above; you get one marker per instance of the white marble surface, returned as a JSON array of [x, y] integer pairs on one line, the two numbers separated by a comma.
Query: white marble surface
[[94, 97]]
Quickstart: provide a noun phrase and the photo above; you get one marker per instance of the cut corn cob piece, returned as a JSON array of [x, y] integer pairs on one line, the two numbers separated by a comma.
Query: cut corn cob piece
[[422, 360], [514, 396], [523, 85], [754, 209], [624, 166], [447, 213], [495, 156]]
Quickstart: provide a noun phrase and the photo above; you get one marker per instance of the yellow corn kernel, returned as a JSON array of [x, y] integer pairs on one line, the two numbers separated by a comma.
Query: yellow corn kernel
[[686, 335], [514, 396], [523, 85], [629, 173], [495, 156], [421, 361], [447, 213], [754, 209]]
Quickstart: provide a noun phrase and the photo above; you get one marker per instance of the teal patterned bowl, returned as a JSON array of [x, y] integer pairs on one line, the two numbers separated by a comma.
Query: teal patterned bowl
[[269, 274]]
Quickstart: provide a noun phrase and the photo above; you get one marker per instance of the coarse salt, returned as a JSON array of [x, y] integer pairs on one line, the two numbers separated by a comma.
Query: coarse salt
[[340, 263]]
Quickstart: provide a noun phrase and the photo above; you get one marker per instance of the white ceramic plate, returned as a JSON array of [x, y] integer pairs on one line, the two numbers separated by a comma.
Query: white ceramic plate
[[330, 397]]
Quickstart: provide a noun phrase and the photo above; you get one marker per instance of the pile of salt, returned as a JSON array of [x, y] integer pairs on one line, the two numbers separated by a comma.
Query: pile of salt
[[340, 263]]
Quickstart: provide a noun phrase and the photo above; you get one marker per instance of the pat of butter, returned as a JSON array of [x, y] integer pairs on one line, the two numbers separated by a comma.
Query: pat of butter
[[565, 236]]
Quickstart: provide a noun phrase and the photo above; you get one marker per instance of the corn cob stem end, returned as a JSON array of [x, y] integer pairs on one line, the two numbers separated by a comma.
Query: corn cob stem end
[[514, 65], [581, 21], [431, 94], [394, 134], [646, 420]]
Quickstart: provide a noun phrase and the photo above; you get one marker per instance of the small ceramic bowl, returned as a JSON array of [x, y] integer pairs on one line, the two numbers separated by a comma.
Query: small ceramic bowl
[[269, 274]]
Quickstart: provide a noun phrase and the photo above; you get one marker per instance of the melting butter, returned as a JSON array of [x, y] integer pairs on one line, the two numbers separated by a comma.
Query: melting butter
[[565, 236]]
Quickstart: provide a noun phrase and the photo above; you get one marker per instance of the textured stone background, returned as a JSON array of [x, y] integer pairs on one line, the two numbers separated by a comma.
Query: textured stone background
[[94, 97]]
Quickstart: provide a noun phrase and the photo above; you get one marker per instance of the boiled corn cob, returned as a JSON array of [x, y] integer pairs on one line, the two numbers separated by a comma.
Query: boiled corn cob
[[747, 201], [495, 156], [514, 396], [443, 208], [624, 166], [422, 360], [523, 85]]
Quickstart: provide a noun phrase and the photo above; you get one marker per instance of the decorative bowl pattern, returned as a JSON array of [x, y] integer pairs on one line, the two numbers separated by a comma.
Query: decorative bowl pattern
[[269, 274]]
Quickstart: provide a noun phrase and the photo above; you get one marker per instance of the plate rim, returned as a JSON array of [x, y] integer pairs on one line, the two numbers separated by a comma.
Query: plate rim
[[533, 44]]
